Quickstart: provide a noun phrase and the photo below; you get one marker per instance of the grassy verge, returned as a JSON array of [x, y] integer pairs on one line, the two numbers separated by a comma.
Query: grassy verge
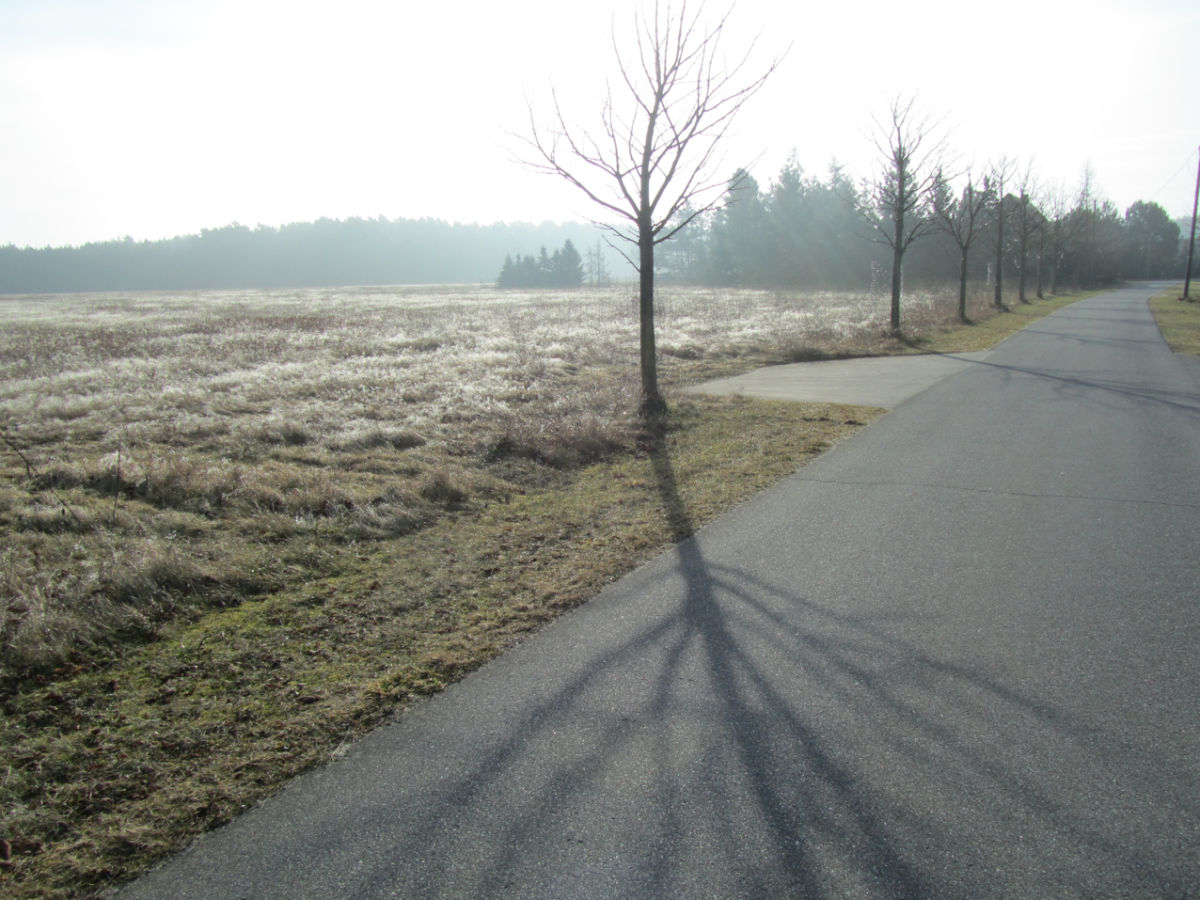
[[1179, 321], [940, 333], [328, 582], [985, 333]]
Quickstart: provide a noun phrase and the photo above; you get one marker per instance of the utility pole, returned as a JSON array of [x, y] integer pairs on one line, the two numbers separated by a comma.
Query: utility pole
[[1187, 277]]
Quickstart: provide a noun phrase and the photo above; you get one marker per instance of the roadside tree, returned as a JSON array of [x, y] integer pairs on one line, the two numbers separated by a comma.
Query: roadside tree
[[898, 201], [1028, 223], [1058, 232], [961, 218], [653, 152], [1001, 172], [1151, 242]]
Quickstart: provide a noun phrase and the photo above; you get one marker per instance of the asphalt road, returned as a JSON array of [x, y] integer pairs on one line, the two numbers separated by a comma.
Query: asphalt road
[[954, 657]]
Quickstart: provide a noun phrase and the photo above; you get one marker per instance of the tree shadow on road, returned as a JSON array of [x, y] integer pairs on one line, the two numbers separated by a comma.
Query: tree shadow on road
[[706, 728], [740, 739], [1178, 395]]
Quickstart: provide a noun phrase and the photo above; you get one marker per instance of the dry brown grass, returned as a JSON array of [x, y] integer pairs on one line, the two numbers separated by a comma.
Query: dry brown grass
[[1179, 320], [229, 432], [239, 529]]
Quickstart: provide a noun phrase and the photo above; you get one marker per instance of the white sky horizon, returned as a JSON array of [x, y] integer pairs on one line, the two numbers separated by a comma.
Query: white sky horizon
[[156, 119]]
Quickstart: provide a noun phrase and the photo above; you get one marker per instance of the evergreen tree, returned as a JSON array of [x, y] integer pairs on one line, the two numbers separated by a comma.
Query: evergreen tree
[[840, 257], [507, 273], [568, 266], [738, 236], [1150, 246], [563, 268], [683, 259], [789, 232]]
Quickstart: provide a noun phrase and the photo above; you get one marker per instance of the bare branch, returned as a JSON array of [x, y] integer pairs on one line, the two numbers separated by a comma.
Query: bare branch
[[660, 155], [898, 203], [655, 151]]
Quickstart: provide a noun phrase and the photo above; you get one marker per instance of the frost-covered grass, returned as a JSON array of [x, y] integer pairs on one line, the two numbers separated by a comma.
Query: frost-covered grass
[[336, 362], [168, 451]]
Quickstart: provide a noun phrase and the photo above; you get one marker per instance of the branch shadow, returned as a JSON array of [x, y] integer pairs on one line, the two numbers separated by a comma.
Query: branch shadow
[[709, 729], [1181, 399], [706, 723], [1178, 399]]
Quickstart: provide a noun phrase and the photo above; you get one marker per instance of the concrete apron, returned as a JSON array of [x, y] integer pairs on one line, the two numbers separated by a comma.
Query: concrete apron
[[881, 381]]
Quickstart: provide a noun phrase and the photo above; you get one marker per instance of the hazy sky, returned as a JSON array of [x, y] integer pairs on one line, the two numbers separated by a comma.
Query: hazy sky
[[150, 119]]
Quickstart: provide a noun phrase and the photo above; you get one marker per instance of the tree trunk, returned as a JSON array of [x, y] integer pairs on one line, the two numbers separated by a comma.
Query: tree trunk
[[1041, 261], [652, 401], [898, 254], [1021, 278], [998, 296], [962, 286], [1055, 256], [897, 282]]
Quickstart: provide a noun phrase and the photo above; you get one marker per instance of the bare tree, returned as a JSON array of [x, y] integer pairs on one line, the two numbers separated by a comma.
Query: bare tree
[[898, 202], [1085, 215], [1001, 172], [653, 155], [1027, 224], [1187, 276], [961, 218], [1058, 232]]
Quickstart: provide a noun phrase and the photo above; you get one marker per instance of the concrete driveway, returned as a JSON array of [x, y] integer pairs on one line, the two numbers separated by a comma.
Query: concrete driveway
[[882, 381]]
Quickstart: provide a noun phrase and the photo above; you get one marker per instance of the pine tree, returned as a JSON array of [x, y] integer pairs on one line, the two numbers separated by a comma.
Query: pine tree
[[568, 266], [507, 274]]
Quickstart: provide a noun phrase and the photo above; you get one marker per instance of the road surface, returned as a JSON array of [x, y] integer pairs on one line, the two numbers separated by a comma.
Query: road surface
[[954, 657]]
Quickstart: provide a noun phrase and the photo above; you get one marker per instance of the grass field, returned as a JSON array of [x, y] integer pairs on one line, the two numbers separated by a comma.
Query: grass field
[[240, 529], [1179, 320], [210, 446]]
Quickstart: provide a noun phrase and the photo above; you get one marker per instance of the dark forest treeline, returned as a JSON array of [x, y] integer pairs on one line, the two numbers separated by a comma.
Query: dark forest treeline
[[800, 232], [310, 254]]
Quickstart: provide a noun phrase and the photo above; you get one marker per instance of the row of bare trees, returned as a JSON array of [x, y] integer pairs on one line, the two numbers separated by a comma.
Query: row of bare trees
[[1043, 234], [803, 232], [648, 163]]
